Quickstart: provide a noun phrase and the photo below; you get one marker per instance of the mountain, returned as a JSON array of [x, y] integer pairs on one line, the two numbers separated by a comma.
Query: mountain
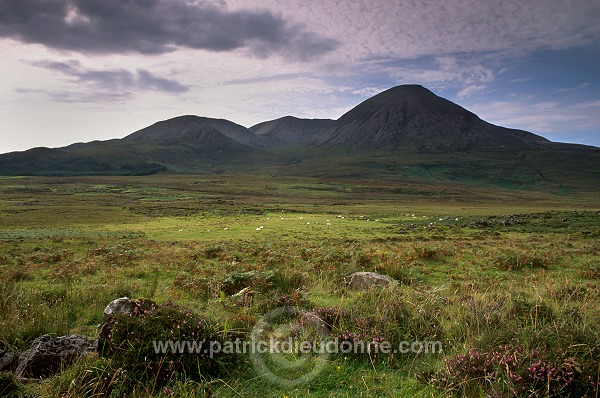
[[58, 161], [404, 132], [289, 130], [414, 119], [183, 144], [171, 130]]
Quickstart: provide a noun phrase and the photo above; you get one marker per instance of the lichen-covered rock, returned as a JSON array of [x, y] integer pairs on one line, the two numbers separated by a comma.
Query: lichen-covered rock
[[122, 305], [47, 354], [367, 280]]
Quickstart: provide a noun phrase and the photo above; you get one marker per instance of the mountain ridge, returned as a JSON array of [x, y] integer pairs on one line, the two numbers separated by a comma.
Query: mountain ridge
[[289, 130], [406, 130]]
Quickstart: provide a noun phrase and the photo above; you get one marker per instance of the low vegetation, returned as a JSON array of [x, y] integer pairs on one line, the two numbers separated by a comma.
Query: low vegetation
[[511, 290]]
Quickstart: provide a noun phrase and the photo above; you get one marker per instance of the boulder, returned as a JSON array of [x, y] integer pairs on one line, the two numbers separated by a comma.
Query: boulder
[[367, 280], [47, 354], [122, 305], [8, 360]]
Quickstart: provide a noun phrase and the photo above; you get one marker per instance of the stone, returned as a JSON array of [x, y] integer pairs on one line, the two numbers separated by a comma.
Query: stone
[[47, 354], [121, 305], [367, 280], [8, 360]]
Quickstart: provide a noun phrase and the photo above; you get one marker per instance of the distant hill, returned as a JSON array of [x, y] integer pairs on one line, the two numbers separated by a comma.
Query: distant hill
[[404, 132], [176, 145], [289, 130], [168, 132], [414, 119]]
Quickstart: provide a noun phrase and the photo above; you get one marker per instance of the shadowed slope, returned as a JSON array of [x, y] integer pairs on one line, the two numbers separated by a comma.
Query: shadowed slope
[[289, 130], [412, 118]]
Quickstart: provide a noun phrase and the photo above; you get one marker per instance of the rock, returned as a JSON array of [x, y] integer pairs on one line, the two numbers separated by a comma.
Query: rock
[[367, 280], [121, 305], [47, 354], [8, 360]]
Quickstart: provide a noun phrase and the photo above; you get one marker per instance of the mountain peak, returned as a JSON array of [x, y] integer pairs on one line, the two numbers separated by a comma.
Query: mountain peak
[[415, 96], [167, 129], [412, 118], [408, 89]]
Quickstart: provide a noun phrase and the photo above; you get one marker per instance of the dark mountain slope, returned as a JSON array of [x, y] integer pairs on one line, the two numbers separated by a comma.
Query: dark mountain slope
[[289, 130], [412, 118], [47, 161], [192, 149], [171, 130]]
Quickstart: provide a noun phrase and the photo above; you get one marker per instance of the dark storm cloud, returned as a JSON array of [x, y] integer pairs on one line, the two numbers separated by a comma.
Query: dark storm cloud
[[154, 26], [113, 80], [149, 81]]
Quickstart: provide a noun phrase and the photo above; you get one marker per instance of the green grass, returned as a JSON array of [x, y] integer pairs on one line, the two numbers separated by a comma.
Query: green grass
[[479, 269]]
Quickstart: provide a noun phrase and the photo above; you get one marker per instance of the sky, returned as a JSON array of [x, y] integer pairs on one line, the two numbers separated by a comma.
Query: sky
[[83, 70]]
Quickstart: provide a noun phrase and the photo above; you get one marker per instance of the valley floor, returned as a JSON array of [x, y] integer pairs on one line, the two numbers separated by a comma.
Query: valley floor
[[506, 280]]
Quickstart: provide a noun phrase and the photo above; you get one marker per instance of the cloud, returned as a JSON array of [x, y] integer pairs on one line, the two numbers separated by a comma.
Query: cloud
[[444, 72], [409, 29], [107, 84], [593, 105], [63, 96], [264, 79], [147, 80], [155, 27], [547, 117], [520, 80], [578, 87], [469, 90], [368, 91]]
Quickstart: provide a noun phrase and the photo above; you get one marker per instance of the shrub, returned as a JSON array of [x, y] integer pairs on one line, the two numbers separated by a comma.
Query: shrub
[[17, 275], [380, 316], [236, 281], [199, 287], [213, 252], [271, 300], [262, 280], [287, 281], [431, 252], [332, 316], [131, 342], [517, 370], [590, 270], [513, 259]]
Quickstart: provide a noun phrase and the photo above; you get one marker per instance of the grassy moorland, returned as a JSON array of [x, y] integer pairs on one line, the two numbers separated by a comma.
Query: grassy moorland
[[506, 279]]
